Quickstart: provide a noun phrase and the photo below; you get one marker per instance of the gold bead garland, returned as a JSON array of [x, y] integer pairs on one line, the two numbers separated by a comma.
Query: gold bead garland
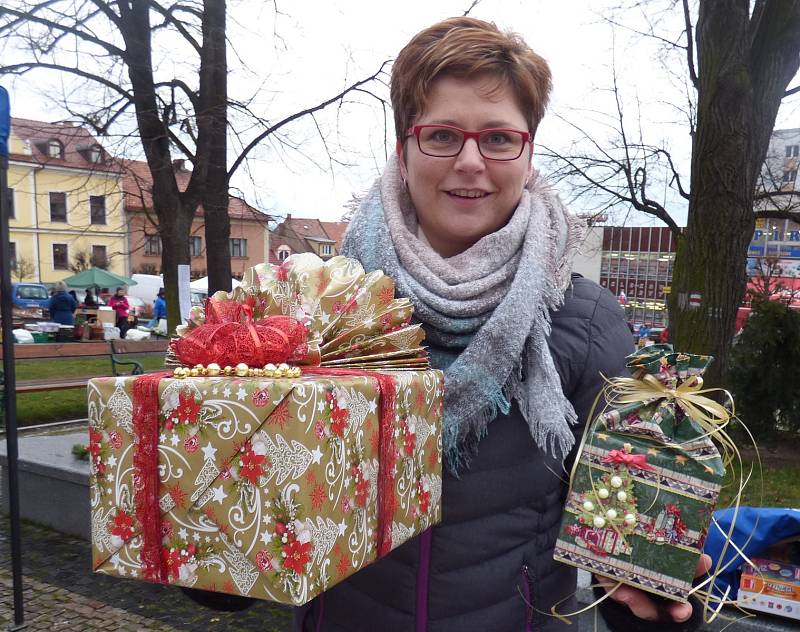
[[240, 370]]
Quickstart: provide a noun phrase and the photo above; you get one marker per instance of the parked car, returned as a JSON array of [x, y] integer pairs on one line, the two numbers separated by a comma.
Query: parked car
[[29, 301]]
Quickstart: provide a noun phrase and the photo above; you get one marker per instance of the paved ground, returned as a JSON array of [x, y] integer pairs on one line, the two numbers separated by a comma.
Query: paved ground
[[62, 594]]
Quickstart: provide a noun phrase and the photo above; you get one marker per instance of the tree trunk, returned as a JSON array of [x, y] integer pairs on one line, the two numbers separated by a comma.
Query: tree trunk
[[736, 111], [212, 128], [174, 214]]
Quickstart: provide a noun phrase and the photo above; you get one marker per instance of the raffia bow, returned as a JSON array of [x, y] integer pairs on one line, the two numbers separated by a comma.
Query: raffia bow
[[689, 395]]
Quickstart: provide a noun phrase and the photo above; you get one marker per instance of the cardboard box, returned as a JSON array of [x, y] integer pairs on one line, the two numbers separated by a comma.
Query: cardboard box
[[772, 587]]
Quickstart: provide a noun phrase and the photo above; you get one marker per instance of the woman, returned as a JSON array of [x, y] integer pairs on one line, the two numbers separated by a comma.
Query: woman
[[62, 305], [483, 248], [119, 304]]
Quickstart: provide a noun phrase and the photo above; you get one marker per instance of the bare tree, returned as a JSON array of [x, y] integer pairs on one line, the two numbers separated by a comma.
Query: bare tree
[[739, 59], [108, 44], [82, 261], [22, 268]]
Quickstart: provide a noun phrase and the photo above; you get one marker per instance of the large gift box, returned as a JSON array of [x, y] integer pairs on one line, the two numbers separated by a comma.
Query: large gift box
[[647, 477], [271, 481]]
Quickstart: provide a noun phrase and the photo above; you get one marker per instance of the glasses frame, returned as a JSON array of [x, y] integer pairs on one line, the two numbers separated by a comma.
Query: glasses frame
[[527, 137]]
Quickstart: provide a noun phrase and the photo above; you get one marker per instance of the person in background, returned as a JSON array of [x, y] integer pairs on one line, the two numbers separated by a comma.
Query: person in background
[[159, 308], [644, 334], [62, 305], [119, 304], [89, 300], [483, 248], [663, 337]]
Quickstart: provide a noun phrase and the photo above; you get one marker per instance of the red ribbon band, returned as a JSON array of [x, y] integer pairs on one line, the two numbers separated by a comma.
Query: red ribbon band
[[620, 457]]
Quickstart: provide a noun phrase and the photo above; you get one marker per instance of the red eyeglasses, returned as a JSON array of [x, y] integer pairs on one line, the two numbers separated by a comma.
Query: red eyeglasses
[[446, 141]]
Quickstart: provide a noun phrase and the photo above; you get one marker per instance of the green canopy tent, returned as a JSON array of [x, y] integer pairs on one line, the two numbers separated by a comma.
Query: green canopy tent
[[97, 277]]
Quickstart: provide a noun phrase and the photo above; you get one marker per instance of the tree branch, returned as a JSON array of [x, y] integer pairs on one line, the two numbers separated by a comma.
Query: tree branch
[[24, 68], [320, 106], [30, 16], [687, 18]]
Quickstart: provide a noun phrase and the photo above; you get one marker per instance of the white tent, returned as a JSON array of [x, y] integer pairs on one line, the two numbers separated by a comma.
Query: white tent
[[201, 285]]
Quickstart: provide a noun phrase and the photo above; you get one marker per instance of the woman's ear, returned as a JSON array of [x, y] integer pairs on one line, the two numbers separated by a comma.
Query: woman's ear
[[402, 160], [530, 163]]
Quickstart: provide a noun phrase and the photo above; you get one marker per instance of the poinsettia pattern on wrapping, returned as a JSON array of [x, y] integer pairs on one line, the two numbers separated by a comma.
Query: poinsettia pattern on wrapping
[[267, 487]]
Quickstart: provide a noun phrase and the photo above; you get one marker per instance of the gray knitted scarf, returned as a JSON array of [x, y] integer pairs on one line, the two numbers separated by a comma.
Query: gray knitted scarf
[[486, 311]]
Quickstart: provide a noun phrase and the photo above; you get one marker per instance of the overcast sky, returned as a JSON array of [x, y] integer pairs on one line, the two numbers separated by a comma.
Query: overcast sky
[[312, 49]]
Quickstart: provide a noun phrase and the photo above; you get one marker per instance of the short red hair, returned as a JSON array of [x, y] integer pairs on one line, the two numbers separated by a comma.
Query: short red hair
[[466, 47]]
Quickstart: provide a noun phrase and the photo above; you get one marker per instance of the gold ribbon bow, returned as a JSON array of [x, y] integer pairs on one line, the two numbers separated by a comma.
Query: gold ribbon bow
[[689, 395]]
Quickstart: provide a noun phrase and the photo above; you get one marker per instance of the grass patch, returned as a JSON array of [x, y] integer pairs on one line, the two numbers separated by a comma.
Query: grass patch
[[47, 407], [780, 488]]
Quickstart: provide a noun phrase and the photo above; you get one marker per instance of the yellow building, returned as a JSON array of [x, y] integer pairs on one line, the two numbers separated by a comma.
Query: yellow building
[[66, 202]]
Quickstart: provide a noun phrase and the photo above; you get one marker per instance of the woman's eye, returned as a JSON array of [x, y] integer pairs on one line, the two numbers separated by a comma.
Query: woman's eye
[[443, 136], [497, 138]]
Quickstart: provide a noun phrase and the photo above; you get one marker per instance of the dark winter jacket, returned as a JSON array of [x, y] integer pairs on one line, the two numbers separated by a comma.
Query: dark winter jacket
[[489, 566], [62, 308]]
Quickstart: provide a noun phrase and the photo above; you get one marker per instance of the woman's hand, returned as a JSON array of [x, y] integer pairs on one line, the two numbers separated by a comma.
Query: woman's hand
[[642, 605]]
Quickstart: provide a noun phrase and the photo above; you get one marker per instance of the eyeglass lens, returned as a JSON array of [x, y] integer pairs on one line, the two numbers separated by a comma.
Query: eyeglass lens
[[493, 144]]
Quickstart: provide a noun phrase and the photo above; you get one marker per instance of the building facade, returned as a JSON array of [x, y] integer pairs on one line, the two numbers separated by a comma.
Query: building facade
[[636, 266], [778, 239], [66, 202], [249, 238], [298, 234]]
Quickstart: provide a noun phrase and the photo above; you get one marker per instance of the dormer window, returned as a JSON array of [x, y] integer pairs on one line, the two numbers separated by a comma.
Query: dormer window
[[284, 252], [91, 153], [55, 149]]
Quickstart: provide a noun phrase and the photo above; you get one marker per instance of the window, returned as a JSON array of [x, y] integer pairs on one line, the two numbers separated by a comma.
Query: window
[[97, 209], [195, 246], [58, 207], [99, 256], [152, 245], [283, 252], [60, 257], [10, 203], [95, 154], [789, 176], [325, 249], [238, 247], [12, 255], [792, 151], [55, 149]]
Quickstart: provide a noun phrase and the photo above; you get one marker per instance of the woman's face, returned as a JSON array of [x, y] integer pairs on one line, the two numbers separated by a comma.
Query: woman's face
[[461, 199]]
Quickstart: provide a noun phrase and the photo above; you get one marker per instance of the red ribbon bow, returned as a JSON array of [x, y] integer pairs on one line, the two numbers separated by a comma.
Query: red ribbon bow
[[231, 335], [620, 457]]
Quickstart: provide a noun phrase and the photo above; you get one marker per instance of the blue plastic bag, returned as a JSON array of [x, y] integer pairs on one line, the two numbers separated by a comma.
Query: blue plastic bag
[[765, 526]]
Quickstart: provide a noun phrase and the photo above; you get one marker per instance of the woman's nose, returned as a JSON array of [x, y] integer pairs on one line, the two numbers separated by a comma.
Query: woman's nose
[[470, 158]]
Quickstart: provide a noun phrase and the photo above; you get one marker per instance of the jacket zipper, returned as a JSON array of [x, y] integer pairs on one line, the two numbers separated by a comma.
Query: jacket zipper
[[527, 593]]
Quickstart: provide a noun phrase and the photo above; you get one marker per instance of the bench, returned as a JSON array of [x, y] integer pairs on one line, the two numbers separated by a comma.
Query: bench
[[115, 350]]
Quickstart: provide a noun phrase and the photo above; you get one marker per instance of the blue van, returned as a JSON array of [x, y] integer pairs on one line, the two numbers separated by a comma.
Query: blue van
[[30, 295], [29, 300]]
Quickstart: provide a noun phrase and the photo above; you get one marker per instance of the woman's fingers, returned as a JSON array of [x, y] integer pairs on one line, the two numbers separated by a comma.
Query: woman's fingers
[[703, 564], [636, 600]]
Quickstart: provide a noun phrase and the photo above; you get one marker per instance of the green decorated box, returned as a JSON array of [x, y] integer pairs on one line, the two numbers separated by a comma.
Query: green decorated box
[[647, 477], [271, 481]]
